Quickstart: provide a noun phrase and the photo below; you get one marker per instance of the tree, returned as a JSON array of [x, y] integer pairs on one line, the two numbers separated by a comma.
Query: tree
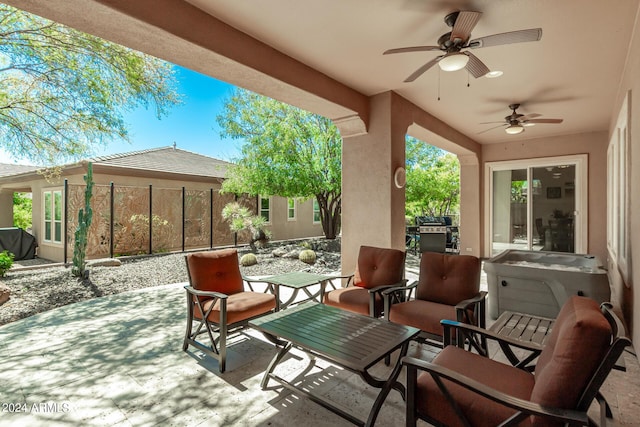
[[63, 91], [287, 152], [22, 207], [433, 180]]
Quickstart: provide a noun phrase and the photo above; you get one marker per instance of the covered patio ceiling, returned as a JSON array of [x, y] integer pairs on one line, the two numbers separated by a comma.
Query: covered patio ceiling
[[332, 50]]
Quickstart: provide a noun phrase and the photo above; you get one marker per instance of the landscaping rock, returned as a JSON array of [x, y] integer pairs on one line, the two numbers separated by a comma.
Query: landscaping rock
[[279, 252], [5, 293], [105, 262]]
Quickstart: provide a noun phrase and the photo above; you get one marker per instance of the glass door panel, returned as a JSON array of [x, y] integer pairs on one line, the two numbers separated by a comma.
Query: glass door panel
[[553, 208], [510, 207]]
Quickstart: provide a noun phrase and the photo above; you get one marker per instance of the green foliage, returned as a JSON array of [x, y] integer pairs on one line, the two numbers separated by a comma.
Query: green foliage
[[433, 181], [288, 152], [22, 210], [6, 261], [240, 219], [63, 91], [247, 260], [307, 256], [85, 215]]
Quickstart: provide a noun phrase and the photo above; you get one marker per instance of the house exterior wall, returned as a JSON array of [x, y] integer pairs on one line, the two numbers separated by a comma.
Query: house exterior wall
[[593, 144], [135, 191], [6, 210]]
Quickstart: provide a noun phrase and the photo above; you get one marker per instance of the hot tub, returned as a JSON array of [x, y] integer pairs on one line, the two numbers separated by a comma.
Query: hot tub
[[539, 282]]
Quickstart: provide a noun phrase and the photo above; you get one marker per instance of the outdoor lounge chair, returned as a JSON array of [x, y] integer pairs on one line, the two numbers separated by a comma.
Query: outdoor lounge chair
[[377, 269], [448, 288], [464, 388], [217, 301]]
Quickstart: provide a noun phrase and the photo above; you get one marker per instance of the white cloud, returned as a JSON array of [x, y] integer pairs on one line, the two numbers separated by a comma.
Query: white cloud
[[8, 158]]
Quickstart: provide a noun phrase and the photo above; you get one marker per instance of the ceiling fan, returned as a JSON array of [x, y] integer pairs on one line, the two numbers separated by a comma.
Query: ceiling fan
[[452, 43], [515, 123]]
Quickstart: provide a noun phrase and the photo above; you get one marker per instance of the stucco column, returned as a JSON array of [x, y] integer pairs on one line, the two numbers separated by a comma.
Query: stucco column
[[6, 208], [372, 206], [471, 219]]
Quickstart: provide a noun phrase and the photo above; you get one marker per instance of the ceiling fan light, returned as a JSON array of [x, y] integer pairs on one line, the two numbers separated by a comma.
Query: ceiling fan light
[[453, 61], [514, 129]]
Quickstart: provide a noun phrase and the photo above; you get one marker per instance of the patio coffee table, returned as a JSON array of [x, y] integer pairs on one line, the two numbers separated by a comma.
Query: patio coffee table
[[297, 280], [352, 341]]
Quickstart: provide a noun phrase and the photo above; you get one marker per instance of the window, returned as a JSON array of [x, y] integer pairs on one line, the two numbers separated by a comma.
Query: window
[[617, 192], [316, 212], [291, 209], [53, 216], [265, 208]]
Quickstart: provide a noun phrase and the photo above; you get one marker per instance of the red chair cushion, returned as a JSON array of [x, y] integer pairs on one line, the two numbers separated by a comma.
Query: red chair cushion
[[578, 342], [240, 306], [425, 315], [354, 299], [215, 271], [448, 279], [479, 410], [378, 267]]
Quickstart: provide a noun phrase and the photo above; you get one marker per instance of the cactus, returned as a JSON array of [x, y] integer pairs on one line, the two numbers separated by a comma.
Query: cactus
[[84, 222], [307, 256], [248, 259]]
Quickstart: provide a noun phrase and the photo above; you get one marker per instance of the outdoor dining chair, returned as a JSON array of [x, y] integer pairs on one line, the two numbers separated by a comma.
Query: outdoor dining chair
[[448, 287], [463, 388], [377, 269], [218, 303]]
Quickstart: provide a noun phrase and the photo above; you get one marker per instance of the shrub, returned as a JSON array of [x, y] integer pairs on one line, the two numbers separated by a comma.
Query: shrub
[[307, 256], [6, 261], [248, 259], [240, 219]]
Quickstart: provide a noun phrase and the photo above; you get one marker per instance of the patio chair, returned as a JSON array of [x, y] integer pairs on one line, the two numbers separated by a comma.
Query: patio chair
[[448, 288], [218, 303], [461, 388], [377, 269]]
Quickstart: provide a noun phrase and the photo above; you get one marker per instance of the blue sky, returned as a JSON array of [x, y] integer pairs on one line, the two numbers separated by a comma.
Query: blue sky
[[191, 125]]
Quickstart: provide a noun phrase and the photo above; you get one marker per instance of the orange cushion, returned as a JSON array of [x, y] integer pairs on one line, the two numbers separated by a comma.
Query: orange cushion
[[240, 306], [425, 315], [215, 271], [479, 410], [448, 279], [580, 337], [378, 267], [354, 299]]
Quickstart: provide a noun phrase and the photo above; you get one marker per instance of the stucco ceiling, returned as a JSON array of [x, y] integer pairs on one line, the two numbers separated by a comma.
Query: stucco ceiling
[[571, 73]]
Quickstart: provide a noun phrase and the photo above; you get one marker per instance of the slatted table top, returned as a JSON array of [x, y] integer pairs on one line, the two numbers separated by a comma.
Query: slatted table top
[[523, 327], [352, 340], [296, 279]]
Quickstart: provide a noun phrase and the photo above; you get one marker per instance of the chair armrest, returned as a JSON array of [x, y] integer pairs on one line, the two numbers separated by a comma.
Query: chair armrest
[[210, 294], [349, 278], [525, 407], [251, 280], [394, 289], [383, 287], [480, 297]]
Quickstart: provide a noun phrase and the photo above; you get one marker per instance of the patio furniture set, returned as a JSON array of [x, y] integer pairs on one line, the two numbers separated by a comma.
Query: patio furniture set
[[377, 313]]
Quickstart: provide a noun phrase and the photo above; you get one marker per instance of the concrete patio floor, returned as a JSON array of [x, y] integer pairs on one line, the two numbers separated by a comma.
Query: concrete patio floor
[[117, 360]]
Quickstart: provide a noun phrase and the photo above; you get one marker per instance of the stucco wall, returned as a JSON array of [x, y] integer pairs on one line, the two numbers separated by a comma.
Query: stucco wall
[[627, 293], [593, 144], [302, 226]]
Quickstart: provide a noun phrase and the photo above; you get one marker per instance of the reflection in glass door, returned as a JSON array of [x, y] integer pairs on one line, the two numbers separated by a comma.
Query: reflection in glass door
[[534, 208]]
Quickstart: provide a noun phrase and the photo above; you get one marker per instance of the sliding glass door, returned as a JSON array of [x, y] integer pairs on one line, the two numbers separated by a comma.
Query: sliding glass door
[[537, 205]]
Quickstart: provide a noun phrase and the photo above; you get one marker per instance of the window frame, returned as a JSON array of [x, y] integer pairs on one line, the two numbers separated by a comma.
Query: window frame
[[268, 210], [291, 210], [56, 230], [314, 211]]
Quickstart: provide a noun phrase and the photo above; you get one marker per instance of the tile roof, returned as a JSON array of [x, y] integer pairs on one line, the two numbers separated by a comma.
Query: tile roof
[[7, 169], [167, 159]]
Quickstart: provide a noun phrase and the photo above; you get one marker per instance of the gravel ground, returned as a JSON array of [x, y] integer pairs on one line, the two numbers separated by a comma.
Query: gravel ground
[[36, 291]]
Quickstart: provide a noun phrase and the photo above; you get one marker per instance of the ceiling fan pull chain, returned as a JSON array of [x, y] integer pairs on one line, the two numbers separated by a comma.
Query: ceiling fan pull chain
[[468, 84], [438, 84]]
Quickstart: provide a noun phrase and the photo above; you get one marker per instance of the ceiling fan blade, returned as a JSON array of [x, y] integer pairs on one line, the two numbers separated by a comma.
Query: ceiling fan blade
[[545, 121], [420, 71], [411, 49], [495, 127], [475, 66], [465, 23], [529, 117], [491, 123], [521, 36]]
